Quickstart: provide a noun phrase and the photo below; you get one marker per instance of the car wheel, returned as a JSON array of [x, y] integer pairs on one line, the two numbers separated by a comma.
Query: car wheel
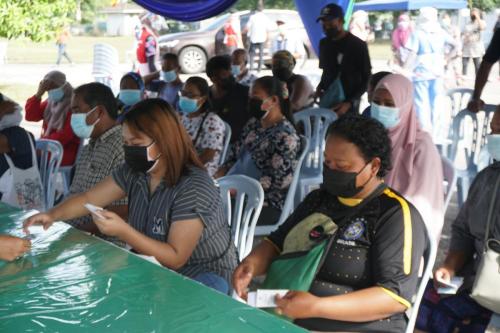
[[192, 60]]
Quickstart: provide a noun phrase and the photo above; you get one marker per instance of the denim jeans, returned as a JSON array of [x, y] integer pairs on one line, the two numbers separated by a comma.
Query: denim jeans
[[213, 281], [252, 53], [61, 52]]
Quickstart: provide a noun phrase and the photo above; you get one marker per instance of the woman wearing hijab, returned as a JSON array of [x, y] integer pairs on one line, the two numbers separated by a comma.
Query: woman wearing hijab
[[55, 113], [132, 91], [417, 170], [400, 37]]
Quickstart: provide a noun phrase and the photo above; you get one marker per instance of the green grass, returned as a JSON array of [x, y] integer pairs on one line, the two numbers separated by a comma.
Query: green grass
[[80, 50]]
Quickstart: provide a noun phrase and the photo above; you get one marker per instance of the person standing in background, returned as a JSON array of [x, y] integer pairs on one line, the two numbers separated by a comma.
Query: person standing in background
[[287, 40], [146, 49], [400, 37], [257, 31], [359, 26], [426, 61], [232, 34], [453, 55], [473, 47], [345, 61], [62, 42]]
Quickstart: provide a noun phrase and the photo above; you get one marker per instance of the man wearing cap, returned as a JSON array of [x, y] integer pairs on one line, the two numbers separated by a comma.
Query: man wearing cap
[[345, 61]]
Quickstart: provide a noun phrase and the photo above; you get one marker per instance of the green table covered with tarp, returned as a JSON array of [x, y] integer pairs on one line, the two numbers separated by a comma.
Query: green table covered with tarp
[[74, 282]]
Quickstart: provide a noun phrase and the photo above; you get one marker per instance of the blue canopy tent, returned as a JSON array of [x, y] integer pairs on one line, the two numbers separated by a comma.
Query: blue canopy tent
[[404, 5], [196, 10]]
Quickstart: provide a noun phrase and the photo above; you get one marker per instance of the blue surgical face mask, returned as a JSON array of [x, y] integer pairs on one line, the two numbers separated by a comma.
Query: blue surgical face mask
[[55, 95], [169, 76], [388, 116], [79, 124], [493, 146], [236, 70], [188, 105], [130, 96]]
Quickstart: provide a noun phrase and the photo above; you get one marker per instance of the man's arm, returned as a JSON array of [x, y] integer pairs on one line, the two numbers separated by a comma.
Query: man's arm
[[490, 58]]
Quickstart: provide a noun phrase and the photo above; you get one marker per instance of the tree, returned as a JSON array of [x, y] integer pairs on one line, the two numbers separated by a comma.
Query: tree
[[485, 5], [37, 20], [252, 4]]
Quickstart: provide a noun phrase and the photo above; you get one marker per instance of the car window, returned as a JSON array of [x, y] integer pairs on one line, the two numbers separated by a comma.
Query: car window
[[244, 21]]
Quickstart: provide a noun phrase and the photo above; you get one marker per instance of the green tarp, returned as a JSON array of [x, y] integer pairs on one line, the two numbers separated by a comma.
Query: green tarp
[[73, 282]]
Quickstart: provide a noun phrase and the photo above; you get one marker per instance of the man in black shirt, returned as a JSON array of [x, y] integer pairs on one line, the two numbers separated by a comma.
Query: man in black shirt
[[342, 55], [490, 58], [227, 98]]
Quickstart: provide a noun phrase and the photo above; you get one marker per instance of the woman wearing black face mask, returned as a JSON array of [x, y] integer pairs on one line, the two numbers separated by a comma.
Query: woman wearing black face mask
[[300, 89], [376, 239], [175, 210], [268, 148]]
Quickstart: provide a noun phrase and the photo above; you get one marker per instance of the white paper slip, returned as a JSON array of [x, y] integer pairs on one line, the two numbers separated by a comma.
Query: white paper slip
[[149, 258], [452, 287], [94, 210], [264, 298]]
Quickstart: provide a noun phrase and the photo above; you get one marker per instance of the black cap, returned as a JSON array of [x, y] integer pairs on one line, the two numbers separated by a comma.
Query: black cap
[[331, 11]]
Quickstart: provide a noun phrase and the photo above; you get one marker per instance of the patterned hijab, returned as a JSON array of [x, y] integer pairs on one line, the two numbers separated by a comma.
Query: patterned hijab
[[55, 113]]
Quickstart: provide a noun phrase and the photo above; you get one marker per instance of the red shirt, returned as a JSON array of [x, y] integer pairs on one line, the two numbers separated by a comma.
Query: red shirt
[[70, 142], [146, 46]]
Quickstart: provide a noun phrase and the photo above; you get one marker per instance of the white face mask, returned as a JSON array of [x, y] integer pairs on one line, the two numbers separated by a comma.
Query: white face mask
[[388, 116]]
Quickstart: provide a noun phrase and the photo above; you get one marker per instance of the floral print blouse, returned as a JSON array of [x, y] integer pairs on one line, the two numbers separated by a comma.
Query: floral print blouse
[[275, 152], [207, 132]]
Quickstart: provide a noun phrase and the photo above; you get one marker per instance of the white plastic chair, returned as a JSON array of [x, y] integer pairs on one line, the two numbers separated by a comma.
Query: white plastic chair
[[315, 122], [50, 153], [244, 214], [468, 145], [105, 64], [227, 141], [450, 178], [290, 202], [429, 259], [458, 99]]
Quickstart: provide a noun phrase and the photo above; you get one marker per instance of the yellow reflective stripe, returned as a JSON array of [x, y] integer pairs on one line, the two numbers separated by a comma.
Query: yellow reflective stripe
[[397, 297], [407, 230], [351, 202], [271, 242]]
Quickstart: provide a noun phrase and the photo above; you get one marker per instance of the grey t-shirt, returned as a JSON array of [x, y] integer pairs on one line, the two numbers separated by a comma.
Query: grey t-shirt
[[470, 225], [194, 196]]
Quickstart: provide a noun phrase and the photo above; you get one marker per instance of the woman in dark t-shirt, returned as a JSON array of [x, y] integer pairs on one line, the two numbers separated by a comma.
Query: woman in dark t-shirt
[[175, 209], [370, 272]]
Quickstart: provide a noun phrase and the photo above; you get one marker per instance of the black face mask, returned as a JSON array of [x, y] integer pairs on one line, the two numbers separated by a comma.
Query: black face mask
[[136, 157], [227, 83], [282, 73], [341, 183], [255, 108], [332, 32]]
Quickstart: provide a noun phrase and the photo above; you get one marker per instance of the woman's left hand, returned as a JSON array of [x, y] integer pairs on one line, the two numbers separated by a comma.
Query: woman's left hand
[[297, 305], [111, 224]]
